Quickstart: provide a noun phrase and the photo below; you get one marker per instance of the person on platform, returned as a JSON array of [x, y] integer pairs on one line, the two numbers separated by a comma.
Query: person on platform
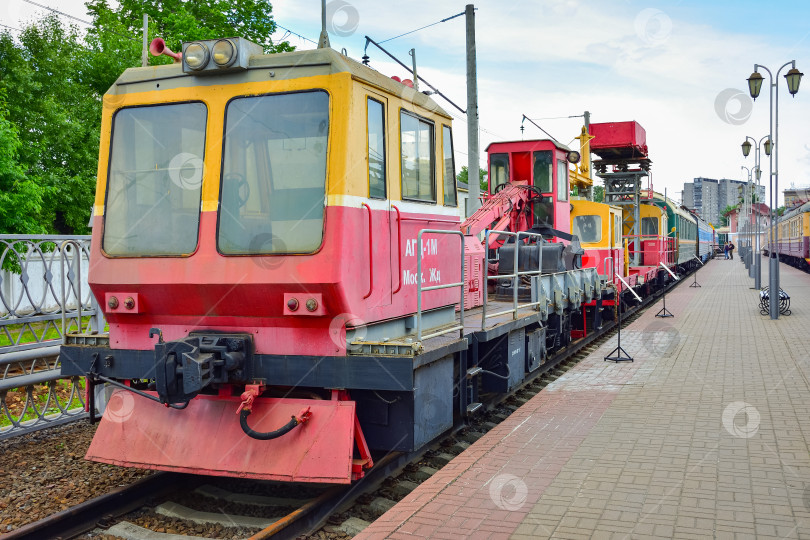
[[730, 250], [725, 250]]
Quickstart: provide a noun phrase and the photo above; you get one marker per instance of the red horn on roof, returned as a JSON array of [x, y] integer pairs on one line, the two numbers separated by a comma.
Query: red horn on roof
[[158, 47]]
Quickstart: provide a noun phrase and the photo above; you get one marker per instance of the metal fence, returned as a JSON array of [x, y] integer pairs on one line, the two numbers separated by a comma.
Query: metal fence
[[43, 295]]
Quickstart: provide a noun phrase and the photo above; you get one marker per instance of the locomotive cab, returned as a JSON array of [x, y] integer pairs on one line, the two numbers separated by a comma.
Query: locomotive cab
[[540, 164], [255, 232], [599, 228]]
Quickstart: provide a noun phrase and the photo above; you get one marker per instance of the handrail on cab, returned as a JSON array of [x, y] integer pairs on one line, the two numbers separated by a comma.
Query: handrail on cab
[[420, 289]]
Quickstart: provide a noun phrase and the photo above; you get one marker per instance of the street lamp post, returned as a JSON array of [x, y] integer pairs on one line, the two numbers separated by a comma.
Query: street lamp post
[[747, 230], [793, 77], [746, 149]]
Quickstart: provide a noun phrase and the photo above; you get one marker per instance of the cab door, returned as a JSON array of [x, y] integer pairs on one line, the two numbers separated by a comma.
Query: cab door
[[378, 209]]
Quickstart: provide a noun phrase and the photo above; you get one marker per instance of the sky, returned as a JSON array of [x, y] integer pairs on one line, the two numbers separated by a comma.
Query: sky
[[679, 68]]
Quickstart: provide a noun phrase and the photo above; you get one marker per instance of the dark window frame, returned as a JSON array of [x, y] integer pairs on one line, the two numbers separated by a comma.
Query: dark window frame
[[597, 227]]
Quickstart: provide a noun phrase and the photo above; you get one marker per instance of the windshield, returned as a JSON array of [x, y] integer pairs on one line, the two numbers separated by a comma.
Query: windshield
[[649, 226], [154, 180], [588, 228], [274, 174]]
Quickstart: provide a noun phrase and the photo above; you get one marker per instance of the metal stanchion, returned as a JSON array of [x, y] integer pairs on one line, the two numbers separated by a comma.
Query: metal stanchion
[[616, 354], [696, 284], [664, 313]]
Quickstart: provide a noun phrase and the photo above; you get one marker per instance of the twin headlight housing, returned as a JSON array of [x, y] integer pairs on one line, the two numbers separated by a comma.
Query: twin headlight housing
[[211, 56]]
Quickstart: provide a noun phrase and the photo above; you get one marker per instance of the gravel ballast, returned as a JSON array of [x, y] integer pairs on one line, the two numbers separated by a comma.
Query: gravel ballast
[[45, 472]]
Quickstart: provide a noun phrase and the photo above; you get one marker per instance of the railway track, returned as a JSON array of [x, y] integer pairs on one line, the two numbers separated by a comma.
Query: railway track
[[169, 506]]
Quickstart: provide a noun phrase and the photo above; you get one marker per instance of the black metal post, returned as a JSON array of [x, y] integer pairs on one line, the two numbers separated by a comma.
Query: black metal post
[[616, 354]]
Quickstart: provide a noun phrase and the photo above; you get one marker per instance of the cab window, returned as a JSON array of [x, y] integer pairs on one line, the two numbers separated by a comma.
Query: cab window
[[649, 226], [541, 170], [498, 170], [617, 229], [376, 149], [449, 167], [273, 187], [154, 181], [418, 161], [588, 228], [562, 180]]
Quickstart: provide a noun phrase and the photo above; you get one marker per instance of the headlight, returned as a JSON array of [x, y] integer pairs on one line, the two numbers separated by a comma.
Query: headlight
[[224, 53], [196, 56]]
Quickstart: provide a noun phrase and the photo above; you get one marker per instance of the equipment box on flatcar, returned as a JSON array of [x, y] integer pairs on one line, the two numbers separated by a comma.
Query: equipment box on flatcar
[[622, 137]]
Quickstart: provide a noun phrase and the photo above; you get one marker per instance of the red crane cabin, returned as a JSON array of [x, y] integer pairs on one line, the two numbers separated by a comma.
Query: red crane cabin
[[539, 163]]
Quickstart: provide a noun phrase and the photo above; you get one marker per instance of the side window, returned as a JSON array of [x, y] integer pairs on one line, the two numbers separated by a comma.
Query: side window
[[542, 171], [418, 168], [449, 168], [617, 229], [562, 180], [649, 226], [376, 149], [498, 170], [588, 228]]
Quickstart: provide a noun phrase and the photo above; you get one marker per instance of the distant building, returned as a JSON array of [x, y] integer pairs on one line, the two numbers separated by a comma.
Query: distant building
[[747, 225], [689, 195], [709, 197], [463, 192], [795, 196], [704, 193]]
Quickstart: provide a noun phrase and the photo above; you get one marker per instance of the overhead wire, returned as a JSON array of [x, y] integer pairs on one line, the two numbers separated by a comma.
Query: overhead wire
[[558, 117], [57, 11], [423, 27], [295, 34], [76, 18]]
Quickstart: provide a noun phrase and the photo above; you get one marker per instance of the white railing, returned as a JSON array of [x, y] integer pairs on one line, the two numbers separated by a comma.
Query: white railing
[[420, 289], [515, 275]]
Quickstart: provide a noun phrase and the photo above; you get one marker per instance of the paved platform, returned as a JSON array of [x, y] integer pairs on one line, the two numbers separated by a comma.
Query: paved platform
[[705, 435]]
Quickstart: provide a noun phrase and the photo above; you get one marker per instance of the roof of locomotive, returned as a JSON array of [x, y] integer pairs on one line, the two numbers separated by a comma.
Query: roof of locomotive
[[523, 146], [285, 66]]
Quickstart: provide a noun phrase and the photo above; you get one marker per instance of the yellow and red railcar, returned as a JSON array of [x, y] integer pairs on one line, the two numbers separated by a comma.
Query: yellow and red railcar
[[255, 216]]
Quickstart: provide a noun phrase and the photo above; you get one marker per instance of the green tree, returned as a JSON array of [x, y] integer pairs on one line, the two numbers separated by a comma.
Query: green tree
[[463, 177], [56, 118], [177, 21], [20, 197], [53, 78], [724, 214], [598, 193]]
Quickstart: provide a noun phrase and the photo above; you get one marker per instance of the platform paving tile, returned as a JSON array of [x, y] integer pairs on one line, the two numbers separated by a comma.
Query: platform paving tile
[[704, 435]]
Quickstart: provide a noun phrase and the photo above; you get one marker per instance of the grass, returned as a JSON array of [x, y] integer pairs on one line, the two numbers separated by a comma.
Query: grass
[[49, 328], [16, 400]]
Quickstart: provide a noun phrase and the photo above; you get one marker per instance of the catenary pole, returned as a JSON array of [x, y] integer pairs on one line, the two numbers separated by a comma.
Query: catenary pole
[[473, 176]]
